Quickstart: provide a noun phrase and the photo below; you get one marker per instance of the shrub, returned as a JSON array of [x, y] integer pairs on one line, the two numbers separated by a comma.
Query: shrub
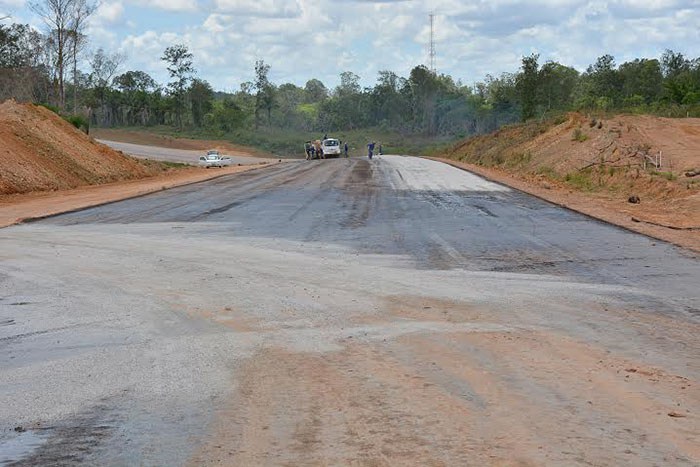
[[78, 121], [52, 108], [579, 135], [548, 172], [581, 180], [670, 176]]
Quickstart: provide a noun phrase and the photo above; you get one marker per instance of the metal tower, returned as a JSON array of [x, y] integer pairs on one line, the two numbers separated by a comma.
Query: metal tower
[[431, 50]]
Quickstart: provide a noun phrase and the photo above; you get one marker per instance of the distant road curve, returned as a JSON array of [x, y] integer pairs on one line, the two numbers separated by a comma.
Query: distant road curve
[[185, 156]]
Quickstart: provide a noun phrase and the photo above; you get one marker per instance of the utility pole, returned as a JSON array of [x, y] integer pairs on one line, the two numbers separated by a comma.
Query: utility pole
[[431, 50]]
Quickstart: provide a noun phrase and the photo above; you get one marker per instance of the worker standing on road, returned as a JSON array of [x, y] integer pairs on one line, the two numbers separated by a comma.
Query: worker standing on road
[[380, 149], [345, 148], [370, 149]]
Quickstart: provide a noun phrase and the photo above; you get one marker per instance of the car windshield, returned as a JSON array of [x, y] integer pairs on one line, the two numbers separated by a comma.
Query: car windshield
[[212, 157], [331, 142]]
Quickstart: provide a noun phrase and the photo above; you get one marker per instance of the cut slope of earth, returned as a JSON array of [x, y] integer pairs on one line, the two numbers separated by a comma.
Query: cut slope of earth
[[602, 161], [40, 151]]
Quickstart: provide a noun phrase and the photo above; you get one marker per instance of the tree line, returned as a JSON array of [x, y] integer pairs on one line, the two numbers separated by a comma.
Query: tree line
[[34, 66]]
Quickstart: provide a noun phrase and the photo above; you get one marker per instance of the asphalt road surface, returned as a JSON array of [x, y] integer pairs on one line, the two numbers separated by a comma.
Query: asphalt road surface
[[184, 156], [396, 311]]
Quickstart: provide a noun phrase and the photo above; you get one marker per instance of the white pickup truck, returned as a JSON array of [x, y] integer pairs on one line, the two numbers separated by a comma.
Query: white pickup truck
[[214, 159]]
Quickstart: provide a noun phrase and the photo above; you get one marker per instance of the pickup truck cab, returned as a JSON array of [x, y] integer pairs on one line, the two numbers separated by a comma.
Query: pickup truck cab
[[214, 159]]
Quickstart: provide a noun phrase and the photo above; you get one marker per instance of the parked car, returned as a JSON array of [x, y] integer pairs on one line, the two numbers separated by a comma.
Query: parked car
[[214, 159], [330, 147]]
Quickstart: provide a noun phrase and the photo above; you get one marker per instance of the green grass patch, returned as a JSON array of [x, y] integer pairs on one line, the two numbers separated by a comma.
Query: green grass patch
[[579, 135], [548, 172], [670, 176], [581, 180]]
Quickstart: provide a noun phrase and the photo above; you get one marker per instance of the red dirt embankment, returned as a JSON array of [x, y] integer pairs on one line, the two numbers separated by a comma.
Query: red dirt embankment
[[42, 152], [594, 166], [48, 167]]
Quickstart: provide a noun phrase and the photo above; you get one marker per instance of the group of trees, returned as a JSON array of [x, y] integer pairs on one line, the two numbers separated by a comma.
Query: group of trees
[[33, 68], [36, 65]]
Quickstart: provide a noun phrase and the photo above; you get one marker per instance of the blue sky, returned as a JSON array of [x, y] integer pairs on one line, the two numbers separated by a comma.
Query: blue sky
[[302, 39]]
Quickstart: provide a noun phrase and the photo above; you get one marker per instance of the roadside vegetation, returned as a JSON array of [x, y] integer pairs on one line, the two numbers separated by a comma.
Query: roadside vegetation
[[419, 113]]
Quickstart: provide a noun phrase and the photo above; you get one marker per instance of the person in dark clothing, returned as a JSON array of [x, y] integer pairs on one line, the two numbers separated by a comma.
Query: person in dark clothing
[[345, 148], [370, 149]]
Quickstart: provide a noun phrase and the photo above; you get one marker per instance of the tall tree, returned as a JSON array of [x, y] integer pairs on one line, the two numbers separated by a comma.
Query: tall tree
[[82, 9], [641, 80], [57, 15], [606, 81], [201, 96], [315, 91], [264, 97], [526, 84], [423, 85], [181, 70], [556, 84], [103, 67]]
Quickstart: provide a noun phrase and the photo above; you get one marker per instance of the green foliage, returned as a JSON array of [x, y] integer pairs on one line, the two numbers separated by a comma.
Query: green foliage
[[579, 135], [179, 64], [518, 159], [423, 106], [670, 176], [527, 84], [52, 108], [548, 172], [79, 122], [265, 92], [581, 180]]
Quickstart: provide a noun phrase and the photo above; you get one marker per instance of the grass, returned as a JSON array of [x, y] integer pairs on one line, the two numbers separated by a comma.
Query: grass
[[174, 165], [670, 176], [581, 180], [518, 159], [579, 135], [548, 172]]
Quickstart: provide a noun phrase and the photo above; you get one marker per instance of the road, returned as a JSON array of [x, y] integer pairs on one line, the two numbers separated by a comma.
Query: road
[[184, 156], [345, 312]]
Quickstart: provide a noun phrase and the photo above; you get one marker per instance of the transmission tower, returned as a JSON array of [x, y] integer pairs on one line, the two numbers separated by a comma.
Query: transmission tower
[[431, 49]]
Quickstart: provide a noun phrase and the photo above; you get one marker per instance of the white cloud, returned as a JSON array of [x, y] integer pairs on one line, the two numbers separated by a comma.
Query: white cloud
[[303, 39], [109, 13], [172, 5], [260, 8]]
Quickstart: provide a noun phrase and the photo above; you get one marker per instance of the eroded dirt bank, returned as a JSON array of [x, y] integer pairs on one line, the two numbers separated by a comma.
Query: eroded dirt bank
[[39, 151], [596, 166]]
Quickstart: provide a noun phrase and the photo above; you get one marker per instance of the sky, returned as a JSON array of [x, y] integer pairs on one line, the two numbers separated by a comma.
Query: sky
[[303, 39]]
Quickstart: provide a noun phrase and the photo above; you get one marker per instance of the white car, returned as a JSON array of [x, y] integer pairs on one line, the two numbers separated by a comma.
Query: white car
[[214, 159], [330, 147]]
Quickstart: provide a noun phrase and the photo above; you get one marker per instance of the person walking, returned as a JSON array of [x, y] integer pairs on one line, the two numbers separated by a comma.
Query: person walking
[[370, 149], [345, 148]]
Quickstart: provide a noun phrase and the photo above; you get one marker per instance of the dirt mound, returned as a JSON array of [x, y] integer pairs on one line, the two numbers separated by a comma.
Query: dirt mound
[[42, 152], [613, 158]]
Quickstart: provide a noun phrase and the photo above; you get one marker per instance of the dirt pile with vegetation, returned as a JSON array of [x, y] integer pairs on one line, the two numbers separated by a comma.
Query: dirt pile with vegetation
[[619, 159], [42, 152]]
